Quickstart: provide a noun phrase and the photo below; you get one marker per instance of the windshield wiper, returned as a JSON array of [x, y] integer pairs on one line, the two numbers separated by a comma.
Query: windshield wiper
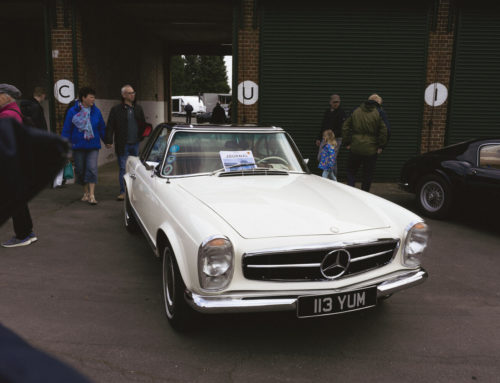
[[235, 166], [256, 170]]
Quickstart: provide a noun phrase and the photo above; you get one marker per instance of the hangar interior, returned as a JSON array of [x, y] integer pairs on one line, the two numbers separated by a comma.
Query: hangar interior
[[117, 42], [298, 54]]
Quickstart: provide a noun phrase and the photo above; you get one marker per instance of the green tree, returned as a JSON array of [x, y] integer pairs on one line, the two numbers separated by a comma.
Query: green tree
[[178, 75], [195, 74]]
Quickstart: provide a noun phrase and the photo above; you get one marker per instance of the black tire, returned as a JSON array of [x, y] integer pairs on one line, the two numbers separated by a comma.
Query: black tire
[[434, 196], [130, 221], [179, 314]]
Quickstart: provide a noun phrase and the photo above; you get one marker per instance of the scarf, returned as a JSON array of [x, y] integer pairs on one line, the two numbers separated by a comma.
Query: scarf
[[82, 121]]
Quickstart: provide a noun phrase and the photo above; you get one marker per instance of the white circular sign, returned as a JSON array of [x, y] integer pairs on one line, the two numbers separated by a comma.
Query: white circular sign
[[64, 91], [436, 94], [248, 92]]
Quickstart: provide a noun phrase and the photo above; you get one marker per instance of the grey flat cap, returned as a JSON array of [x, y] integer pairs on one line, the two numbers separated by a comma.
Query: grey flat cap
[[11, 90]]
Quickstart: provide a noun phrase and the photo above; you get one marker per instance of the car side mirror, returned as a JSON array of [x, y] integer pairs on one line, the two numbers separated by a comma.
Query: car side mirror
[[158, 169]]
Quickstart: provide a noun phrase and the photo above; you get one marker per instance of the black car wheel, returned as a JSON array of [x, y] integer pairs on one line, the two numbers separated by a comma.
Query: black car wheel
[[130, 222], [434, 196], [180, 315]]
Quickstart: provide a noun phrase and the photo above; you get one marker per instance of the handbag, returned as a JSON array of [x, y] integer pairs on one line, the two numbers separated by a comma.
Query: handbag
[[147, 130], [68, 173], [58, 180]]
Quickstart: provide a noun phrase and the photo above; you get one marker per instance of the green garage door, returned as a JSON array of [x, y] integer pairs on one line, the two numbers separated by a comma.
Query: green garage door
[[311, 50], [475, 91]]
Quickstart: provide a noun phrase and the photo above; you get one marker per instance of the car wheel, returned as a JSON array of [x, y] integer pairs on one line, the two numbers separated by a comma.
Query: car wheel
[[179, 314], [434, 196], [130, 222]]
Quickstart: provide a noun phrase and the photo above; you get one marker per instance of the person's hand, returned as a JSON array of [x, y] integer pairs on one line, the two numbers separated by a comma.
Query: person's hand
[[108, 146], [379, 150], [318, 142], [348, 147]]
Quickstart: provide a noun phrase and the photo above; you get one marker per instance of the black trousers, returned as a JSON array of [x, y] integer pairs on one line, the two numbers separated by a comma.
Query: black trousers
[[188, 118], [353, 164], [22, 222]]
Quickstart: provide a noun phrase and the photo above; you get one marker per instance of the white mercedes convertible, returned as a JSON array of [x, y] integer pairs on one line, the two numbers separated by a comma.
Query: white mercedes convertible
[[242, 225]]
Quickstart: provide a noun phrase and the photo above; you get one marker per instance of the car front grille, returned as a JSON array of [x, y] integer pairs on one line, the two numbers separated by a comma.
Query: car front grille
[[305, 265]]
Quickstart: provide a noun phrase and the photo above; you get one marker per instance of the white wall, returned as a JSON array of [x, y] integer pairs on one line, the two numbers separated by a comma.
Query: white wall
[[154, 112]]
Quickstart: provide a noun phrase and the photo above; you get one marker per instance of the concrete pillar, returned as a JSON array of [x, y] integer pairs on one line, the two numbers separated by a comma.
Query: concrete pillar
[[439, 62]]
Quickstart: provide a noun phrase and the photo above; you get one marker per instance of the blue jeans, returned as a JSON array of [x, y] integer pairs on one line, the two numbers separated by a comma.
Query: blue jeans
[[329, 174], [86, 165], [130, 150]]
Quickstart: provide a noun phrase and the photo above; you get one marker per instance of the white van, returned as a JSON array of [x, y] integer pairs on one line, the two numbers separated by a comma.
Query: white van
[[179, 102]]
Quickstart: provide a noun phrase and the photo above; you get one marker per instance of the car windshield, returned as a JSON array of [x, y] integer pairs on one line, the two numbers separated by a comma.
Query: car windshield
[[207, 152]]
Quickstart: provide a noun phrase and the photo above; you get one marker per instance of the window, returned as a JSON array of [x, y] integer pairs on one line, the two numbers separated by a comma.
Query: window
[[200, 152], [160, 145], [489, 156]]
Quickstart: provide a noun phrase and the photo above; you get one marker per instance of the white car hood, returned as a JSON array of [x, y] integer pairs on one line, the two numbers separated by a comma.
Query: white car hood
[[284, 206]]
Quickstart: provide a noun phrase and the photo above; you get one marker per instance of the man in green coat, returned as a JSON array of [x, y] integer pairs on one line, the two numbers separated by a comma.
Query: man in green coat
[[364, 134]]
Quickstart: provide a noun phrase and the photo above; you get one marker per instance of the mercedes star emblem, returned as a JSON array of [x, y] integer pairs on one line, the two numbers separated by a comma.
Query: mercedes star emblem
[[335, 263]]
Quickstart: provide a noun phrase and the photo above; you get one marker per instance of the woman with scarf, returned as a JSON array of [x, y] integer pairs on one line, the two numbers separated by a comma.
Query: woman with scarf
[[84, 127]]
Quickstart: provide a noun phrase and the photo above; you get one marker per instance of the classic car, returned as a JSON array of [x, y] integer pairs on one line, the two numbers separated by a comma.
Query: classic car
[[440, 178], [242, 225]]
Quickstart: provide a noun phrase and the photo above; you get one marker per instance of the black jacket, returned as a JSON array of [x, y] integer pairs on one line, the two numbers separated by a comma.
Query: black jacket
[[117, 126], [218, 115], [332, 120], [32, 109]]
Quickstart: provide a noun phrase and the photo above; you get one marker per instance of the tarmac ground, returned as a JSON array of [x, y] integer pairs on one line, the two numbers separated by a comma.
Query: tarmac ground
[[89, 293]]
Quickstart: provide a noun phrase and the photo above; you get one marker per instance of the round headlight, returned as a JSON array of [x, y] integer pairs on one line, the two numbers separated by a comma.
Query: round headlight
[[416, 241], [215, 263]]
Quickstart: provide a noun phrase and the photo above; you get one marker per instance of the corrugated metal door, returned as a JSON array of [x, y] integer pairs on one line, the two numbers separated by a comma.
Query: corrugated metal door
[[311, 50], [475, 92]]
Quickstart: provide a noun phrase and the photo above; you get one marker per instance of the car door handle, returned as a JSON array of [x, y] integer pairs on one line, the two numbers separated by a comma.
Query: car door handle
[[133, 176]]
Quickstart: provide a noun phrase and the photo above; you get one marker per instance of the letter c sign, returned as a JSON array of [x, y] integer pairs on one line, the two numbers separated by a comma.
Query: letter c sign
[[64, 91]]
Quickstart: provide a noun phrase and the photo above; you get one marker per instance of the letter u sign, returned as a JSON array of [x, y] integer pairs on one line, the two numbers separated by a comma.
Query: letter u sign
[[248, 92]]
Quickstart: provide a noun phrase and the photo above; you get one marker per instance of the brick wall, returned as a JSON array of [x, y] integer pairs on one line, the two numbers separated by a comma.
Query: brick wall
[[62, 42], [440, 53], [248, 59]]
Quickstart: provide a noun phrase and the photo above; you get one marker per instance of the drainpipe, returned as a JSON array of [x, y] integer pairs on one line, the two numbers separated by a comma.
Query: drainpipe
[[49, 65], [234, 90], [73, 43]]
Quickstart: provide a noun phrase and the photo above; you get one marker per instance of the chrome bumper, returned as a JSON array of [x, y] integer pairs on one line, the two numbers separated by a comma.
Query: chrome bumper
[[287, 301]]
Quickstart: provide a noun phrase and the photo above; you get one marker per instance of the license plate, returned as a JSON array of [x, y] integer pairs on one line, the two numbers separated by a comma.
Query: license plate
[[331, 304]]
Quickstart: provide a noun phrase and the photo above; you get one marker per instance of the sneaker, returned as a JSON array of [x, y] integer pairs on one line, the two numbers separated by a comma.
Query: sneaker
[[121, 197], [33, 237], [16, 242]]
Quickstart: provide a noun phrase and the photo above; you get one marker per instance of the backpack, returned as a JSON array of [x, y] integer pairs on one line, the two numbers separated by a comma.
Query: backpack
[[27, 121]]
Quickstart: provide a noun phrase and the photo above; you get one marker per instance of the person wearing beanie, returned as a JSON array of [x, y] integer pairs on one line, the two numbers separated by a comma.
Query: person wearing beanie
[[8, 106]]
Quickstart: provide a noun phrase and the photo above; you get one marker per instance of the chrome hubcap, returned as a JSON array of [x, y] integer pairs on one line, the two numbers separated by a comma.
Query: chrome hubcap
[[168, 282], [432, 196]]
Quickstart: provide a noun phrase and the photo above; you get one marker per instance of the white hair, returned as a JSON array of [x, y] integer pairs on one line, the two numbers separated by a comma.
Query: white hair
[[375, 97], [124, 87]]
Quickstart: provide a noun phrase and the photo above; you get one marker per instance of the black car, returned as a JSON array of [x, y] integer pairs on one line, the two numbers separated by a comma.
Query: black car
[[469, 170], [203, 117], [207, 117]]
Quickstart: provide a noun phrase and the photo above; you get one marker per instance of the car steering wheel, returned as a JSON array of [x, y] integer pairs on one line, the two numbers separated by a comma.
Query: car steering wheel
[[273, 158]]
